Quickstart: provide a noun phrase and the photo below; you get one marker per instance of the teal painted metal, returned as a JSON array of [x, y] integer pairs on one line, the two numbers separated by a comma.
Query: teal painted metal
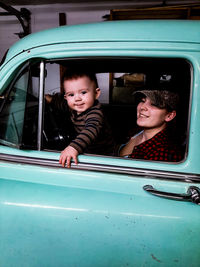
[[128, 31], [53, 216], [110, 38], [68, 218]]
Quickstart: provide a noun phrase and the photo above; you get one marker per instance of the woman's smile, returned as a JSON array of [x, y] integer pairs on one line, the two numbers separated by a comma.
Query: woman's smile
[[150, 116], [141, 115]]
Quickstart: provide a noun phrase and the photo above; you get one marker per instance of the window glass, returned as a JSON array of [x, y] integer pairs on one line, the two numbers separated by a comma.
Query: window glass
[[12, 115], [30, 130], [17, 111]]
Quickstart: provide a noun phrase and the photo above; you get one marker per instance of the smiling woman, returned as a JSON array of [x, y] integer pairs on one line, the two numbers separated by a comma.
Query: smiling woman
[[154, 112]]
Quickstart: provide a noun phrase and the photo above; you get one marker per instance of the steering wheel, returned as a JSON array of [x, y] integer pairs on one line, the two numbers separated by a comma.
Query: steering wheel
[[58, 129]]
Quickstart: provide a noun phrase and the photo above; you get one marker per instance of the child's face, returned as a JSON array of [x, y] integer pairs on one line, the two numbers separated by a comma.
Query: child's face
[[80, 93], [152, 117]]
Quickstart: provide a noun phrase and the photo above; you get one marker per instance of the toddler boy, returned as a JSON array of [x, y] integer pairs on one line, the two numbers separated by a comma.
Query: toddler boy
[[93, 134]]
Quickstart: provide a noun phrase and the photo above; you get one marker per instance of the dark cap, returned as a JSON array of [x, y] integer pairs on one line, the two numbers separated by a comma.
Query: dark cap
[[161, 98]]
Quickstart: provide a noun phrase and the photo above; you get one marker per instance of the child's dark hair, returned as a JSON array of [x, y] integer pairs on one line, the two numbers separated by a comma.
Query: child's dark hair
[[75, 74]]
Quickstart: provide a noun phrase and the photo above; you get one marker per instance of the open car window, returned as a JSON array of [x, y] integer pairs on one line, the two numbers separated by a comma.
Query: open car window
[[118, 79]]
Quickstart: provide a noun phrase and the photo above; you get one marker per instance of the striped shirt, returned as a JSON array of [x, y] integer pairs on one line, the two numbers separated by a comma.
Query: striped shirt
[[93, 132]]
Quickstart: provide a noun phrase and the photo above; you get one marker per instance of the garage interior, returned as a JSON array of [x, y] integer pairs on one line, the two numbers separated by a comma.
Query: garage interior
[[22, 17]]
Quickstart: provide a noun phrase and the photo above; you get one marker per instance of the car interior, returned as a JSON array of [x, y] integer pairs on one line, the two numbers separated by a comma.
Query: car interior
[[118, 78]]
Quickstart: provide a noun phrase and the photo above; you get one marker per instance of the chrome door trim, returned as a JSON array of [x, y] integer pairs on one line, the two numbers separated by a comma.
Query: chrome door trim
[[147, 173]]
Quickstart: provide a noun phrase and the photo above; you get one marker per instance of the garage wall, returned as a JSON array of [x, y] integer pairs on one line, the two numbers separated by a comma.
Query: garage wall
[[47, 16], [44, 17]]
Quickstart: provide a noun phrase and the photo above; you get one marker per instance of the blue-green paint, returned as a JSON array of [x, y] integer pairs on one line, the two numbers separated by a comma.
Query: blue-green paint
[[53, 216]]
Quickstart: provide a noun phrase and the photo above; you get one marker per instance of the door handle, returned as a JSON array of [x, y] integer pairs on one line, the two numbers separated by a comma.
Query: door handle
[[192, 195]]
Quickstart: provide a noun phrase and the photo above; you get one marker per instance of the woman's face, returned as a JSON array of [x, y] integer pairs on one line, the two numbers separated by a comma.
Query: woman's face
[[150, 116]]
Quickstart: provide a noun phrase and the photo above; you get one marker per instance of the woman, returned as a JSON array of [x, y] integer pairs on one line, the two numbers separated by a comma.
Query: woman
[[156, 109]]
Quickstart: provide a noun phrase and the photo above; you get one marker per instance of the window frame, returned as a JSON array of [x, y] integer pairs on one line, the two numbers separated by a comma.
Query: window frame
[[144, 59], [42, 85]]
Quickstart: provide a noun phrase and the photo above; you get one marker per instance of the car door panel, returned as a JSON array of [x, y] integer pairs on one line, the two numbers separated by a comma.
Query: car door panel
[[80, 218]]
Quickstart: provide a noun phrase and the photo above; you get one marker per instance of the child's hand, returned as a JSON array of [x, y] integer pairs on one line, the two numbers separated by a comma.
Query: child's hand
[[67, 154], [48, 98]]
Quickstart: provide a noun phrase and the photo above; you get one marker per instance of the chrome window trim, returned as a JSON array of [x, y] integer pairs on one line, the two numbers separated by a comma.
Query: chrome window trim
[[41, 106], [147, 173]]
